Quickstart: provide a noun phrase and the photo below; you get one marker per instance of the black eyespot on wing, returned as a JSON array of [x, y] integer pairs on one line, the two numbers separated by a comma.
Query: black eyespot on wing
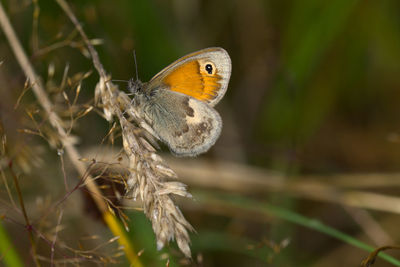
[[209, 68]]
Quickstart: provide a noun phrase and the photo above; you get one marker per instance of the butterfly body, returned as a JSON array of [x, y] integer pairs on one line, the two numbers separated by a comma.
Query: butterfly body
[[178, 102]]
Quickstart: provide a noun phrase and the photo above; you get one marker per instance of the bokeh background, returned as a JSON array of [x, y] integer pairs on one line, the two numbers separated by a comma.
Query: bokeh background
[[308, 163]]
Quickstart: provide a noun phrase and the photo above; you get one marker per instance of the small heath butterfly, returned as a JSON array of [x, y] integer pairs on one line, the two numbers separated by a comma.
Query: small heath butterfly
[[178, 102]]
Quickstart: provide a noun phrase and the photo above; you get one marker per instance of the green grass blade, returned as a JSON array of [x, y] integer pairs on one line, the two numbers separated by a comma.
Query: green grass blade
[[219, 241], [288, 215], [8, 254]]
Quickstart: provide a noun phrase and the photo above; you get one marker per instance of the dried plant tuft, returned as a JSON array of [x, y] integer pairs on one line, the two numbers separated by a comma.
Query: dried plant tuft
[[150, 179]]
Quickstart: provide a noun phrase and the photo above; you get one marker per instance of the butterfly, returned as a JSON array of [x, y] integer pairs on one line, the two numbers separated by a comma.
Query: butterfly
[[177, 103]]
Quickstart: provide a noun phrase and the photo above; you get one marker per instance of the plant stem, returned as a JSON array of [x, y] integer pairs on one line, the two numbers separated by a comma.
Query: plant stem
[[27, 223]]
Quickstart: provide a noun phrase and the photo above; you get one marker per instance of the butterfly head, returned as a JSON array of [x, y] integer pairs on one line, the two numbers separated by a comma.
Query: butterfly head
[[135, 86]]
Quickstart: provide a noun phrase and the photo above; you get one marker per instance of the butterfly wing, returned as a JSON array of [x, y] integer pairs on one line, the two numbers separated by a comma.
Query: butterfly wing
[[203, 75], [188, 126]]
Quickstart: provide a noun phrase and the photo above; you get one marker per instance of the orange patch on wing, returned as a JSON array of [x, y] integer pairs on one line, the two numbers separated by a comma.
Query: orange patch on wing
[[190, 80]]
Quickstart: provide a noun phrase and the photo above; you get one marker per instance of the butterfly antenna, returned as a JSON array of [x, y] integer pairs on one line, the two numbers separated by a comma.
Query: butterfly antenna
[[120, 81], [134, 57]]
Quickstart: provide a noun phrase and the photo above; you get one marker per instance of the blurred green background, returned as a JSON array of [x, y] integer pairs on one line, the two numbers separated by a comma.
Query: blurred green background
[[314, 92]]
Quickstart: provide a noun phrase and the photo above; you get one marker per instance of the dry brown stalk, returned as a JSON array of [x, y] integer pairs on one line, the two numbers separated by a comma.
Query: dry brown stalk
[[150, 178], [344, 189]]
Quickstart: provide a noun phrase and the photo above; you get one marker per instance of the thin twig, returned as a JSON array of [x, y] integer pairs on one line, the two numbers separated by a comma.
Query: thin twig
[[93, 53], [27, 223], [61, 155], [53, 244]]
